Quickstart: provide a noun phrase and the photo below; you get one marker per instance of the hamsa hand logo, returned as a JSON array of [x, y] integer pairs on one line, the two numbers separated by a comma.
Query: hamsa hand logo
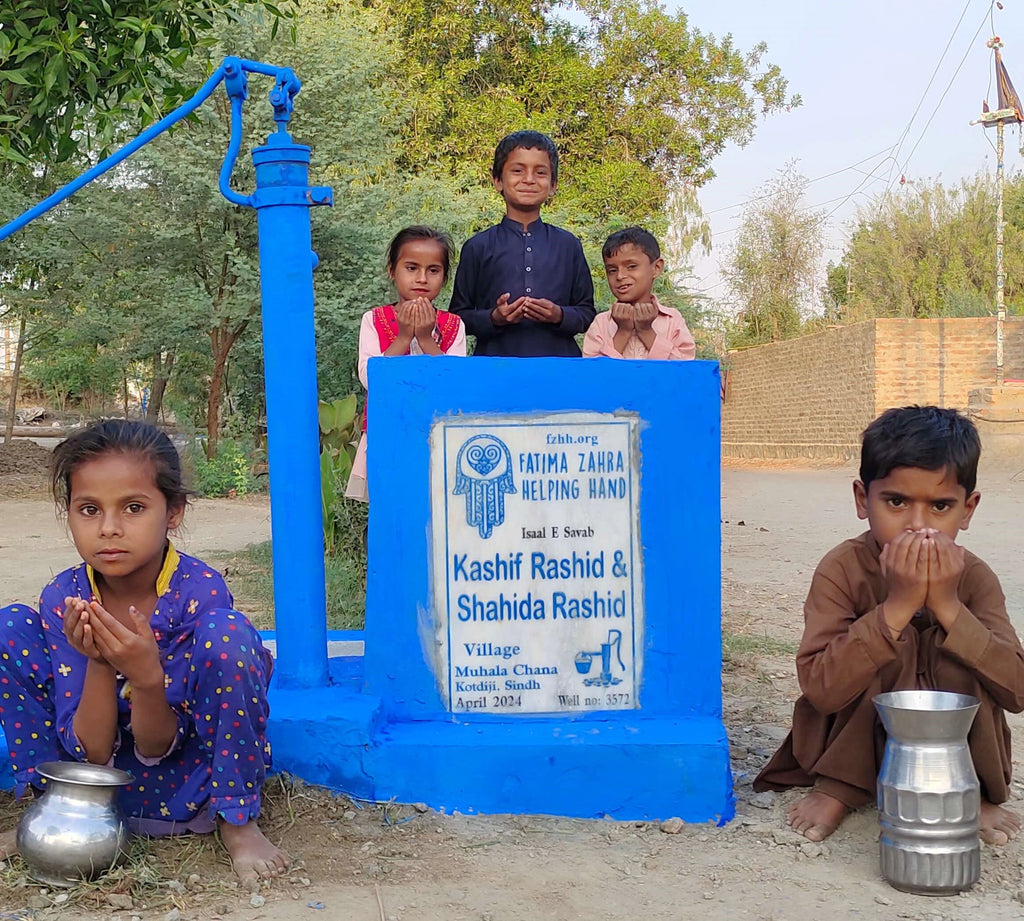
[[483, 474]]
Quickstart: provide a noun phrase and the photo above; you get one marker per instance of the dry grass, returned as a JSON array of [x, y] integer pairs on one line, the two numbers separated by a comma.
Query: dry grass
[[249, 574], [742, 646], [190, 873]]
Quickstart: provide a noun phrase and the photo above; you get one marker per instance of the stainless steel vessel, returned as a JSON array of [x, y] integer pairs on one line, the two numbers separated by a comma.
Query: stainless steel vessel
[[75, 830], [928, 794]]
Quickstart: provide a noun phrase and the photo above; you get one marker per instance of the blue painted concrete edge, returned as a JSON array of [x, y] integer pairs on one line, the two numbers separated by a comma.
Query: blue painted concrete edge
[[333, 636], [542, 768], [340, 738]]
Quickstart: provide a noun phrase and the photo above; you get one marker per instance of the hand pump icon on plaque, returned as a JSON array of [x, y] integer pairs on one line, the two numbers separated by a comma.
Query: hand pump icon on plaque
[[585, 659]]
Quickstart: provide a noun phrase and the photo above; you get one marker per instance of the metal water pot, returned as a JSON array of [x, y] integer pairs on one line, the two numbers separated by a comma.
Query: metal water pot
[[75, 830], [928, 795]]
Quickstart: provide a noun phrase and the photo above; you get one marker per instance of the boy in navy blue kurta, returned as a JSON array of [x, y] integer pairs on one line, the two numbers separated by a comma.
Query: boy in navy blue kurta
[[523, 287]]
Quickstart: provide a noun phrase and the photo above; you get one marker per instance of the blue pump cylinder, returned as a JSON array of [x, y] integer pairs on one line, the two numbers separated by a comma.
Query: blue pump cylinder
[[282, 200]]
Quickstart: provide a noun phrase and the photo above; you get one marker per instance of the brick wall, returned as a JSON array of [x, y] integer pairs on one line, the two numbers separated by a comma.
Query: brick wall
[[941, 361], [812, 397], [802, 397]]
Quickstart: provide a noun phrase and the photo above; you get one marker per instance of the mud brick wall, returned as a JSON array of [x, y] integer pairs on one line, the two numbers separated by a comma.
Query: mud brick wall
[[804, 397], [941, 361], [812, 397]]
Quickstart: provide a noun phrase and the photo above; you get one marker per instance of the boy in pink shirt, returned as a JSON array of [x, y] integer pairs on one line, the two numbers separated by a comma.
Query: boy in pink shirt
[[637, 326]]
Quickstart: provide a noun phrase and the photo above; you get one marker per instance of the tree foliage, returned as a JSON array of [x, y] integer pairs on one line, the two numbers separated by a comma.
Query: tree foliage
[[150, 276], [153, 275], [688, 230], [87, 65], [635, 98], [772, 268], [836, 292], [930, 251]]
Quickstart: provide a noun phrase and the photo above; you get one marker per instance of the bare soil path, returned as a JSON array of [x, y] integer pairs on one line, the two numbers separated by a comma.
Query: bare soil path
[[377, 863], [35, 544]]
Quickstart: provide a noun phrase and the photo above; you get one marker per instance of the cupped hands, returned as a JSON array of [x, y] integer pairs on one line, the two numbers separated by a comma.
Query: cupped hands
[[416, 318], [922, 568], [129, 648]]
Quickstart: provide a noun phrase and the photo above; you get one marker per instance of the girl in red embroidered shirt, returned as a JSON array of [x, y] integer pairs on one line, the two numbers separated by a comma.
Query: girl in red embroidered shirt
[[419, 259]]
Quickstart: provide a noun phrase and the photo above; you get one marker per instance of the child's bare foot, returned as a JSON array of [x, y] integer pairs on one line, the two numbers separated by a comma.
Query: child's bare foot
[[8, 844], [252, 855], [997, 825], [816, 815]]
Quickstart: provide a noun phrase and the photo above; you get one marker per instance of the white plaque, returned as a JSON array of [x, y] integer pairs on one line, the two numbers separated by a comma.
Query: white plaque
[[536, 563]]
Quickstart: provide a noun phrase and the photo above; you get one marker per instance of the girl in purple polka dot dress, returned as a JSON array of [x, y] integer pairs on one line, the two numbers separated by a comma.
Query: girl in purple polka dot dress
[[136, 658]]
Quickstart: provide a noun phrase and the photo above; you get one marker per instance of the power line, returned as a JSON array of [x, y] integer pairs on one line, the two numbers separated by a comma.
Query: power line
[[938, 105], [899, 144], [889, 179], [892, 151], [813, 207], [860, 185], [756, 198], [949, 85]]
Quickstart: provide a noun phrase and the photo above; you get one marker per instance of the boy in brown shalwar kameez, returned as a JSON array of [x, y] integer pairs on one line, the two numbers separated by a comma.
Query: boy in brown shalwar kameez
[[901, 607]]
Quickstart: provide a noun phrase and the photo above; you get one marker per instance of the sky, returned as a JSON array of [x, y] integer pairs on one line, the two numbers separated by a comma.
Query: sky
[[869, 115]]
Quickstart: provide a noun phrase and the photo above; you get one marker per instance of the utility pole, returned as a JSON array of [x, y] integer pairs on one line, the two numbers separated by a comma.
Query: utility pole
[[1009, 111]]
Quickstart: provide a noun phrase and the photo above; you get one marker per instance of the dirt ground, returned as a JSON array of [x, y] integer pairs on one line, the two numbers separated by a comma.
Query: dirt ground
[[364, 862]]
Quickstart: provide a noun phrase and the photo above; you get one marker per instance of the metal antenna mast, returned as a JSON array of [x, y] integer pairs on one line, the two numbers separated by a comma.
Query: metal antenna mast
[[1009, 111]]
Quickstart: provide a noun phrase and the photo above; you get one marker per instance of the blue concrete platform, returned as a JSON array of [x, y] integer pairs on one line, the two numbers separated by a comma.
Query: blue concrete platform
[[590, 769], [656, 767], [386, 728]]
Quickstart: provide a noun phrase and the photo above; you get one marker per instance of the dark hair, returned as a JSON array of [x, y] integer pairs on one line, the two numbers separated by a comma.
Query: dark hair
[[921, 436], [119, 436], [421, 232], [527, 140], [642, 239]]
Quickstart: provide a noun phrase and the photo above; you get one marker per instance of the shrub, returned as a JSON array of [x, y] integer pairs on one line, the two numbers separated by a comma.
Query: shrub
[[227, 473], [339, 436]]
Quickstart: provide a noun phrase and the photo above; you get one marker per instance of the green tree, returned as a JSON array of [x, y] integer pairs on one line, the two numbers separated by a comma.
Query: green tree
[[836, 291], [635, 98], [688, 229], [156, 275], [929, 251], [84, 66], [28, 260], [773, 265], [164, 270]]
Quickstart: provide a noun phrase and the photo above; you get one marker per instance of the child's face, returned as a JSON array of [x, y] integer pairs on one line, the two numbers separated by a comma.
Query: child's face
[[912, 499], [526, 181], [419, 270], [118, 516], [631, 274]]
